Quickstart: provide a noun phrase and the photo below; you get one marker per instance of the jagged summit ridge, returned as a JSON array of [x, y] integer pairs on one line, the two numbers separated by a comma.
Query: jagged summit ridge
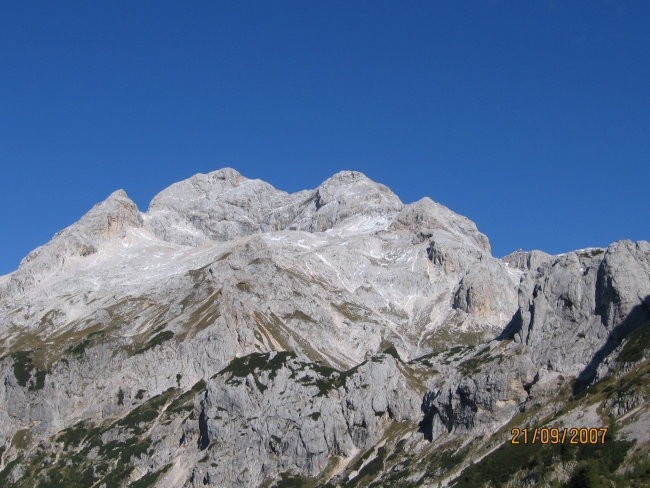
[[223, 205]]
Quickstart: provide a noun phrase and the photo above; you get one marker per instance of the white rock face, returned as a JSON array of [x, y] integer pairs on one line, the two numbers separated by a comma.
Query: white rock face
[[238, 332], [224, 205]]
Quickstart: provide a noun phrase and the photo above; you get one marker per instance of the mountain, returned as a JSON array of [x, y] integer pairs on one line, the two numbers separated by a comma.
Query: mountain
[[237, 335]]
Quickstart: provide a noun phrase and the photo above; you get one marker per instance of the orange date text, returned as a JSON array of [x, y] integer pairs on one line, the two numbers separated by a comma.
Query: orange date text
[[555, 435]]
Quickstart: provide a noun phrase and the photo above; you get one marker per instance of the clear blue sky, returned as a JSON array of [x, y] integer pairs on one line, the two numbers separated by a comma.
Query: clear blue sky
[[530, 117]]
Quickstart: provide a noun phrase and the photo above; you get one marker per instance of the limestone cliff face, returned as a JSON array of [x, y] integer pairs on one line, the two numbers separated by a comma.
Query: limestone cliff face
[[574, 311], [237, 335]]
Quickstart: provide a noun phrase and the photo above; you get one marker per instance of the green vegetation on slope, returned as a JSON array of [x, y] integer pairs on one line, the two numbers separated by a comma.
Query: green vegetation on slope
[[636, 344], [26, 373], [534, 462], [254, 364], [87, 455]]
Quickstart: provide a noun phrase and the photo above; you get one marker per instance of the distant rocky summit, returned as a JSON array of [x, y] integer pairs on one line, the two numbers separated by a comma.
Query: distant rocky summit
[[238, 335]]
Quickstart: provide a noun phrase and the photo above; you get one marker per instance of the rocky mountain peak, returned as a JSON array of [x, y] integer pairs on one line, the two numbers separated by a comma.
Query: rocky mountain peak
[[351, 200], [211, 186], [344, 179], [229, 175], [218, 206], [105, 221], [432, 219], [118, 194], [354, 187], [109, 218]]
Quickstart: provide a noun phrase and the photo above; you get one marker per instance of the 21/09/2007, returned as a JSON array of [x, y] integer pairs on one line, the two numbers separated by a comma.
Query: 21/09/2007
[[555, 435]]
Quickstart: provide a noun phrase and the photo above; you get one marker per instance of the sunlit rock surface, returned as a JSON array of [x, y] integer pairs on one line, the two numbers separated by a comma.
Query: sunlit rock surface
[[237, 335]]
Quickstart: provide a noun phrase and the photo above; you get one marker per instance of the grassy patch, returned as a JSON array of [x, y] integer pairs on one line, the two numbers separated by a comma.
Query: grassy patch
[[636, 345], [116, 476], [26, 373], [441, 339], [353, 312], [591, 253], [255, 363], [473, 365], [332, 379], [244, 286], [68, 477], [274, 328], [205, 315], [149, 479], [392, 351], [184, 403], [21, 439], [371, 469], [80, 348], [156, 340], [4, 474], [145, 413], [290, 481], [72, 437], [299, 315]]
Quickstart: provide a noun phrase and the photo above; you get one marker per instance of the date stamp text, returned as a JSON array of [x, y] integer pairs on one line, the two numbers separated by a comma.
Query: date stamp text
[[555, 435]]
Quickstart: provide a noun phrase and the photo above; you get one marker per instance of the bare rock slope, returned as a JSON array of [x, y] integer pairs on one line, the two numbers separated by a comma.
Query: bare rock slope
[[237, 335]]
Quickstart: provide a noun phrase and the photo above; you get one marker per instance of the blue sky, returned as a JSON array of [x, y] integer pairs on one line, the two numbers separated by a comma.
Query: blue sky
[[531, 118]]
